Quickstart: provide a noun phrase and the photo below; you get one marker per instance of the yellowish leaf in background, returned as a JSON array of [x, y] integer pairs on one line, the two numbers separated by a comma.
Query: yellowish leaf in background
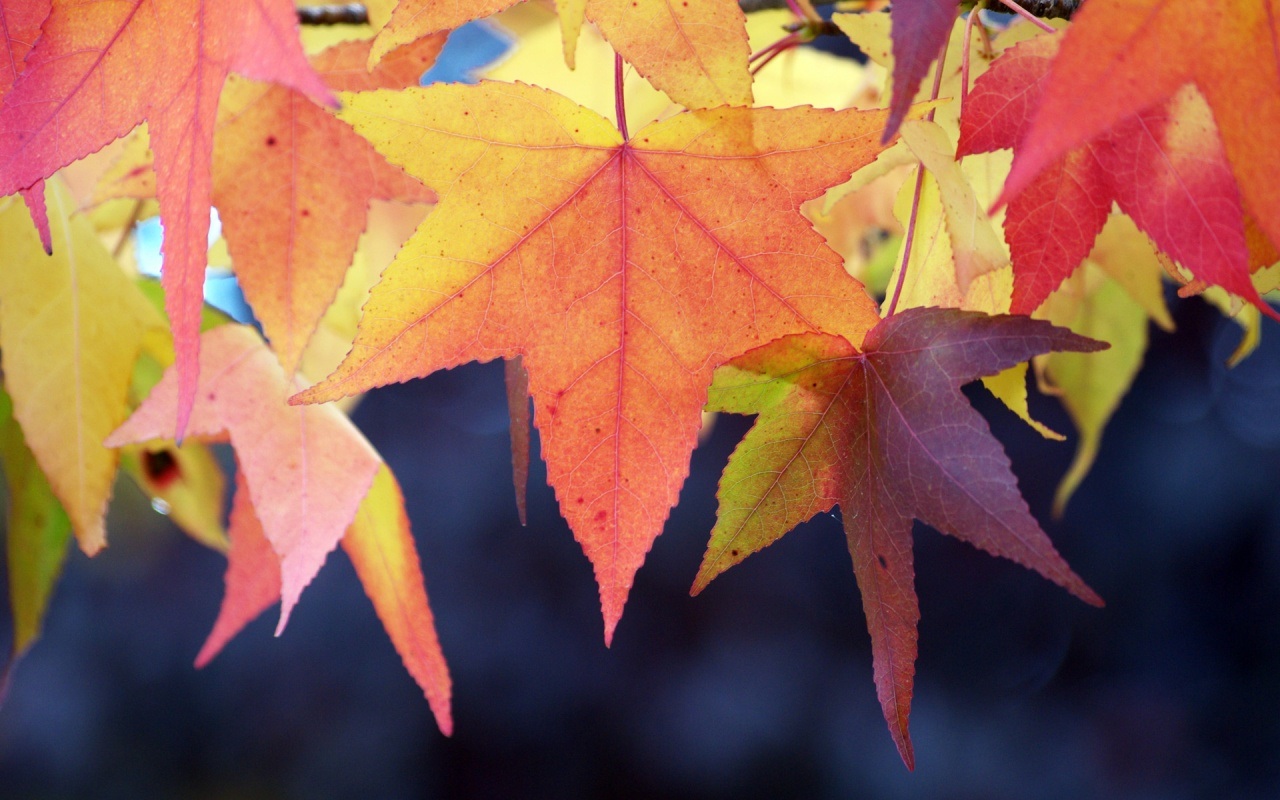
[[70, 328], [1110, 298]]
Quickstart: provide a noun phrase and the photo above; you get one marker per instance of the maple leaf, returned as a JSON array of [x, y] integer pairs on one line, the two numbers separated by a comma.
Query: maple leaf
[[100, 69], [956, 260], [622, 272], [380, 546], [885, 433], [71, 325], [19, 28], [293, 185], [307, 468], [1164, 166], [1123, 56], [695, 51]]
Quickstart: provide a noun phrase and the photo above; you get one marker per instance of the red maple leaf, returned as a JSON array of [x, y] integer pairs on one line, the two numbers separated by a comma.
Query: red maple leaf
[[884, 432], [1126, 56], [1164, 166], [293, 185]]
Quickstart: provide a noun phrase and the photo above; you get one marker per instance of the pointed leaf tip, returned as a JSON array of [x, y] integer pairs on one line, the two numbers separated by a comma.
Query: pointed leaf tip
[[381, 547], [902, 740], [34, 198], [611, 618], [901, 736], [252, 578]]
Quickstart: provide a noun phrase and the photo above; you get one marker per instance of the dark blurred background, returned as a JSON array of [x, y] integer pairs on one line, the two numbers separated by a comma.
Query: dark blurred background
[[761, 687]]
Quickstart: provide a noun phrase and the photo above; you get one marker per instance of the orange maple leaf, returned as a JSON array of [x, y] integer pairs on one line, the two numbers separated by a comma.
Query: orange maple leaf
[[100, 69], [1123, 56], [293, 185], [696, 50], [623, 273]]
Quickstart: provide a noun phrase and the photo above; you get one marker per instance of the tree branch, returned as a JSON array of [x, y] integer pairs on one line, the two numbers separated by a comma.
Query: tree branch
[[357, 14], [338, 14], [1050, 9]]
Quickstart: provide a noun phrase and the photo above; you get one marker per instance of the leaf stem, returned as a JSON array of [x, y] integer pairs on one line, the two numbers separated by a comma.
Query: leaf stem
[[770, 52], [915, 197], [964, 58], [906, 243], [619, 100]]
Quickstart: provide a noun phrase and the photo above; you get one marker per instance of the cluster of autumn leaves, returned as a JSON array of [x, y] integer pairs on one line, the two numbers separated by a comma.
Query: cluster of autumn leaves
[[629, 282]]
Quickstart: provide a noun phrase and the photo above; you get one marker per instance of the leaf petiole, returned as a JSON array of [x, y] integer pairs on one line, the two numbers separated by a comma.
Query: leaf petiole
[[964, 58], [619, 99]]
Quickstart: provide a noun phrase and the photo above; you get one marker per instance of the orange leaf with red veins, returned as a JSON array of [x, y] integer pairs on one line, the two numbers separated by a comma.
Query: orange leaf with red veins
[[884, 432], [622, 272], [1124, 56], [100, 69], [695, 50], [19, 28], [380, 545], [307, 468], [293, 185], [1164, 166]]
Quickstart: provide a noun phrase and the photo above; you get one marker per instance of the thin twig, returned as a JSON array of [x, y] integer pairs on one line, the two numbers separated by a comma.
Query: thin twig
[[964, 58], [915, 199]]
